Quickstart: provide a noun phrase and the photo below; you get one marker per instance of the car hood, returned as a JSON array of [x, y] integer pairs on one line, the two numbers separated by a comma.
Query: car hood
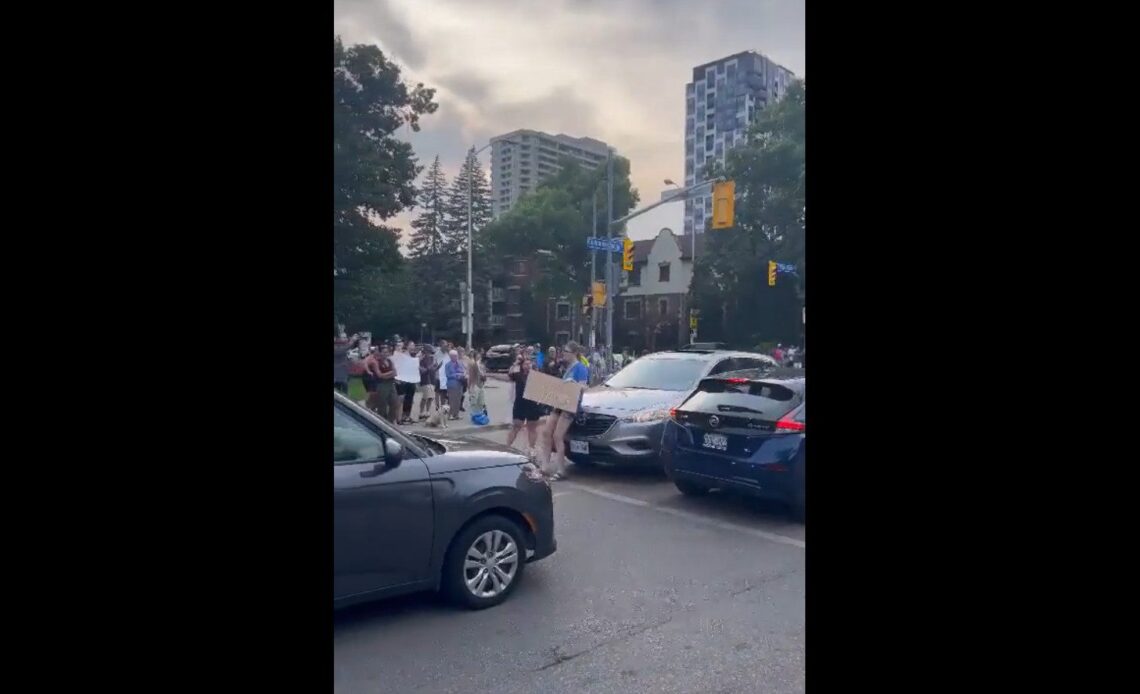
[[469, 454], [624, 401]]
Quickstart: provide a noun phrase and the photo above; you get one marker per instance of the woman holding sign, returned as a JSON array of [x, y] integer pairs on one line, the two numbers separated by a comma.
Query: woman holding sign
[[559, 421], [525, 411]]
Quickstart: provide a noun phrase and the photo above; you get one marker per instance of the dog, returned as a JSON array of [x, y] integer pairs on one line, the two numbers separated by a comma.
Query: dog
[[438, 418]]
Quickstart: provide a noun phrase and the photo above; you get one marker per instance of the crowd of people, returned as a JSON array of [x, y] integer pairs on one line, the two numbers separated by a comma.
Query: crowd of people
[[442, 371]]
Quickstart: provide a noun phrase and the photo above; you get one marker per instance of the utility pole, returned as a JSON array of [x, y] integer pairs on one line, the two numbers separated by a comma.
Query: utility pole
[[594, 275], [610, 284], [470, 287]]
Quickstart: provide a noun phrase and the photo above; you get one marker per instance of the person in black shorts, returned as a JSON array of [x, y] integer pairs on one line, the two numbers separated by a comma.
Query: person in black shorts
[[524, 411]]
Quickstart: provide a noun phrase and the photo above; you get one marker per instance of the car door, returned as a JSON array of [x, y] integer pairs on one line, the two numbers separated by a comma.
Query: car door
[[382, 513]]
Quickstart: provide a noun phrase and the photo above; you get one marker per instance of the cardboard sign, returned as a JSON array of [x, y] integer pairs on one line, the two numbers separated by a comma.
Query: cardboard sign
[[548, 390]]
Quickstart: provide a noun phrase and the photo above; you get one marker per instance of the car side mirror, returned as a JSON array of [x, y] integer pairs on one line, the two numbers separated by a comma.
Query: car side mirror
[[393, 452]]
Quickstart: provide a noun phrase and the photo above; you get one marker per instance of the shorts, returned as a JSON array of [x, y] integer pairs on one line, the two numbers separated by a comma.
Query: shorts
[[371, 384], [526, 410], [426, 391]]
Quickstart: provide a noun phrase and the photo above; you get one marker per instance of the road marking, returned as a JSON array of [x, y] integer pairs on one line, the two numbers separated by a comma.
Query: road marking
[[558, 494], [688, 515]]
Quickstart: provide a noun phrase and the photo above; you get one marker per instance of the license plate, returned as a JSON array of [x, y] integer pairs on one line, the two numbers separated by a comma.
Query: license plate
[[579, 446], [718, 442]]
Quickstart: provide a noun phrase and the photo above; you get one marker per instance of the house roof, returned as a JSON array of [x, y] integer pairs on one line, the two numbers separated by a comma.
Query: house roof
[[641, 249]]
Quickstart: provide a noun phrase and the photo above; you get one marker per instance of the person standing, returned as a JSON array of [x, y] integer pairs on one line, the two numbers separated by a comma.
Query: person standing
[[406, 386], [558, 423], [341, 348], [427, 381], [455, 374], [371, 378], [524, 412], [387, 399]]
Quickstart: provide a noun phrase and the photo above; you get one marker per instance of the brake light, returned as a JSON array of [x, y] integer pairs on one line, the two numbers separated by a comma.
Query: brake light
[[673, 413], [789, 425], [736, 380]]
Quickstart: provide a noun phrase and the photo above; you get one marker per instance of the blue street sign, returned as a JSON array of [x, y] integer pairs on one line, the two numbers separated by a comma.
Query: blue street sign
[[786, 268], [596, 243]]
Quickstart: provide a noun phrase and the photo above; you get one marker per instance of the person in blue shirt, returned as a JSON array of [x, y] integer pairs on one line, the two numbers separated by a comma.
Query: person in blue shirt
[[554, 430], [455, 373]]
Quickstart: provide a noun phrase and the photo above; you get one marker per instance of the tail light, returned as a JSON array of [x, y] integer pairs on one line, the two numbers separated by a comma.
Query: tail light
[[788, 425], [673, 413]]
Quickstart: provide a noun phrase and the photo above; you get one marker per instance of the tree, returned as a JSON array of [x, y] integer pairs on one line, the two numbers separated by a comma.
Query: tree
[[427, 239], [373, 171], [730, 287], [455, 221]]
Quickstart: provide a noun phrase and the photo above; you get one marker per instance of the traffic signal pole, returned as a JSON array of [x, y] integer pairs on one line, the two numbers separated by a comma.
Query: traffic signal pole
[[610, 284], [594, 277]]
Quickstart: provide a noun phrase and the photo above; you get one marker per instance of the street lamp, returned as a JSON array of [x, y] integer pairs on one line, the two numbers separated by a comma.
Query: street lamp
[[470, 298]]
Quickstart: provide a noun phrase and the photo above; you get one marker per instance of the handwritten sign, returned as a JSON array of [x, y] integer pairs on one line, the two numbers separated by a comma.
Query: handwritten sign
[[407, 368], [552, 391]]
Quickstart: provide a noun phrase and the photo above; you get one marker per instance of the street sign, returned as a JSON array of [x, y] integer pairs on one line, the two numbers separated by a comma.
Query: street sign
[[786, 268], [597, 243]]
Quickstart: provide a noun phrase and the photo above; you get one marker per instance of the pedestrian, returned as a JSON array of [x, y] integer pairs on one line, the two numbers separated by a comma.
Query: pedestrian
[[524, 412], [371, 378], [387, 400], [778, 354], [427, 381], [406, 386], [558, 422], [455, 376], [466, 362], [341, 347]]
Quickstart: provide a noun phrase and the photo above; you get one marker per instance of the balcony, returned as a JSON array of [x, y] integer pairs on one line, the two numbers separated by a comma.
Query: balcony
[[498, 321], [498, 294]]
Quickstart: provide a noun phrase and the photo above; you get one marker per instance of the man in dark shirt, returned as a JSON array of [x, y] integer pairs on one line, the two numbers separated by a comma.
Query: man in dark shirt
[[427, 385], [389, 401]]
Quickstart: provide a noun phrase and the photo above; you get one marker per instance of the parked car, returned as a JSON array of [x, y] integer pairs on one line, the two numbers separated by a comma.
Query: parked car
[[743, 432], [414, 513], [622, 420], [498, 358]]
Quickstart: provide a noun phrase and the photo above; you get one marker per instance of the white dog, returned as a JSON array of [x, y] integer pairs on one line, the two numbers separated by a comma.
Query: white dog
[[439, 417]]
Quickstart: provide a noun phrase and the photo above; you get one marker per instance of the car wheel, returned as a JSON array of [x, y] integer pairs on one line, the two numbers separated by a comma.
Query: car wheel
[[485, 562], [799, 498], [691, 488]]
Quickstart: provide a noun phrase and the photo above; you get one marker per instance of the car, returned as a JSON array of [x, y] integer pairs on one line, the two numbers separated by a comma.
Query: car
[[744, 432], [622, 420], [414, 513], [498, 358], [703, 346]]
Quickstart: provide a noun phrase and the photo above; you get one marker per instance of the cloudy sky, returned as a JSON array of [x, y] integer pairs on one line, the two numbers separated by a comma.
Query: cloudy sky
[[614, 70]]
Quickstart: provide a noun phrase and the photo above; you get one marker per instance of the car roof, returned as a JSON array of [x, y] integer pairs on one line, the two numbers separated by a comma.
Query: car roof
[[708, 354]]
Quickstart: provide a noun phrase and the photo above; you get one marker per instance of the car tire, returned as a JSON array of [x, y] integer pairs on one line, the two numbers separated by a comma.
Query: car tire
[[691, 488], [799, 495], [473, 540]]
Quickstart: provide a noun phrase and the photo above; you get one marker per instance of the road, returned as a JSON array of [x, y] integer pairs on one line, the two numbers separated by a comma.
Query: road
[[649, 591]]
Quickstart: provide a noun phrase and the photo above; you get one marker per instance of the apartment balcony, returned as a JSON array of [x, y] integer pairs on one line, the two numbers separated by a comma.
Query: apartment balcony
[[498, 294]]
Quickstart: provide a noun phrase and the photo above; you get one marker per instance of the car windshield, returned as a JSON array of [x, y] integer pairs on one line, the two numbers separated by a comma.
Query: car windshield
[[661, 373]]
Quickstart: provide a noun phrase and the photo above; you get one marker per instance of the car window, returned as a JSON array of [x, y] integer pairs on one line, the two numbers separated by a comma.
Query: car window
[[353, 442], [659, 374], [725, 365], [750, 400], [752, 363], [801, 416]]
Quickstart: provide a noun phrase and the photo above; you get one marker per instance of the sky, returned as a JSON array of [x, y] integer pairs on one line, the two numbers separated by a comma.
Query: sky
[[614, 70]]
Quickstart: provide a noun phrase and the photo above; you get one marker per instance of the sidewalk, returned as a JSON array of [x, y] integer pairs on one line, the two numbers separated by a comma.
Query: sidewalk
[[496, 392]]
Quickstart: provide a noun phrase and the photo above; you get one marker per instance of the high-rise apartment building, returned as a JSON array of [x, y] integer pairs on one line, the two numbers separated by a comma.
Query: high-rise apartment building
[[523, 158], [723, 98]]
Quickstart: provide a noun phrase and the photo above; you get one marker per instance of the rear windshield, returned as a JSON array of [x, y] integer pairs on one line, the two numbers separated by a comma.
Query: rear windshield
[[763, 400]]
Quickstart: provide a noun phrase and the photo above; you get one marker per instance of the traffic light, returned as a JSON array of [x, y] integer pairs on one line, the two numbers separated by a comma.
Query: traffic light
[[724, 203], [627, 254], [771, 273], [587, 302], [599, 293]]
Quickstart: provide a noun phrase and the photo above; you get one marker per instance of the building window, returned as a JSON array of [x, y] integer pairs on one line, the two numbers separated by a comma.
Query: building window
[[562, 310], [520, 267], [710, 75], [663, 307], [709, 142], [663, 272], [632, 309], [561, 338], [635, 275], [720, 69]]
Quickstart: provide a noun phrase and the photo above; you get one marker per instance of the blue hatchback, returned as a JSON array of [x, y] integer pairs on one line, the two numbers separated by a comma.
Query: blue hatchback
[[742, 432]]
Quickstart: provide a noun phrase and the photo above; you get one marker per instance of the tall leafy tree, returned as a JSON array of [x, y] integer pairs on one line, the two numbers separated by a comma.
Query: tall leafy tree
[[373, 171], [427, 237], [731, 287]]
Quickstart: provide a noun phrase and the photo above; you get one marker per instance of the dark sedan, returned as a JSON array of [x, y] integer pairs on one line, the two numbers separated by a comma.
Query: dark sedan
[[744, 432], [412, 513], [498, 358]]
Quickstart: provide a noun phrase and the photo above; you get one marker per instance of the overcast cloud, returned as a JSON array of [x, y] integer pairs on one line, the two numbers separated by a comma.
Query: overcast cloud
[[614, 70]]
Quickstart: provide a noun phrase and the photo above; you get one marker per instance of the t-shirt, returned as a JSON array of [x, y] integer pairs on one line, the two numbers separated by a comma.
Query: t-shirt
[[577, 372], [427, 367]]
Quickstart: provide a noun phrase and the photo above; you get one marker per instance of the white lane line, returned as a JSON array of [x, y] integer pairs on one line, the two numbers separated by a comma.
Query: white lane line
[[688, 515], [558, 494]]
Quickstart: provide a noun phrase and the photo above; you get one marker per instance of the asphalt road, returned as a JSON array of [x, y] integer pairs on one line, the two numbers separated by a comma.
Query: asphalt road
[[649, 591]]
